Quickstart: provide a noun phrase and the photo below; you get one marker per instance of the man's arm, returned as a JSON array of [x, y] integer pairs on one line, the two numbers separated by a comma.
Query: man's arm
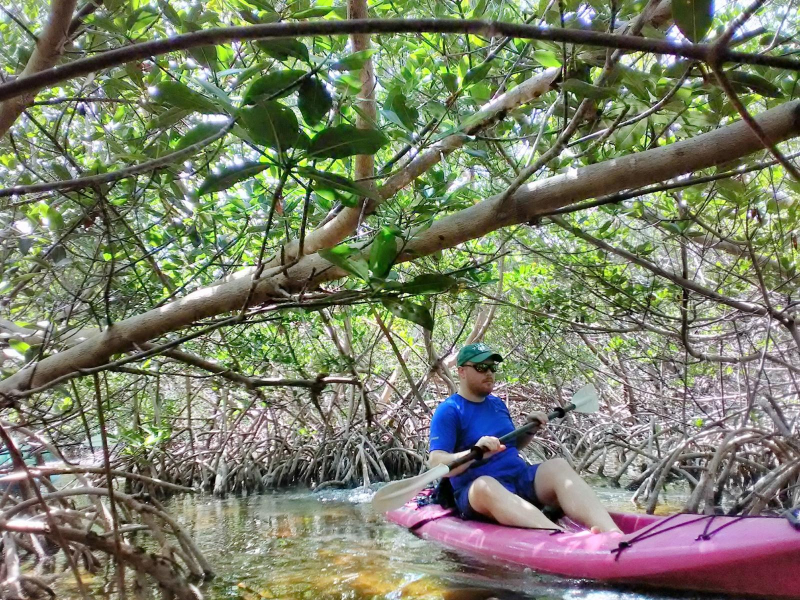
[[438, 457], [526, 438]]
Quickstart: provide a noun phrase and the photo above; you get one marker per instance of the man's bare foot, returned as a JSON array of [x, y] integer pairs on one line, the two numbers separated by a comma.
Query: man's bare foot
[[597, 529]]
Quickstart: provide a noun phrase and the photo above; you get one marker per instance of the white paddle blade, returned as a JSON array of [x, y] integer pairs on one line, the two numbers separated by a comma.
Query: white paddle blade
[[586, 400], [395, 494]]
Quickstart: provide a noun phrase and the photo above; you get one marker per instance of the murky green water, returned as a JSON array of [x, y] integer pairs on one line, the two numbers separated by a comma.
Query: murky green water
[[331, 546]]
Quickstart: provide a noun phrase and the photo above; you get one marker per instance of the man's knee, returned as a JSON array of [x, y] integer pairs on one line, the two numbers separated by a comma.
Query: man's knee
[[483, 492], [552, 476], [557, 465]]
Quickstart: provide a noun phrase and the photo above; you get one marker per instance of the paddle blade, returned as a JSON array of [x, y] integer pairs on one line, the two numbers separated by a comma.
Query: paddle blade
[[586, 400], [395, 494]]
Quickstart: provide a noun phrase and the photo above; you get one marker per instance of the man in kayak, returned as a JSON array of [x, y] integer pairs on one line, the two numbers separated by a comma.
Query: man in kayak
[[501, 485]]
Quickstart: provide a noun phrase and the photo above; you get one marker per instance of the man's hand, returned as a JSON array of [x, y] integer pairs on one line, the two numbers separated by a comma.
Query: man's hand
[[535, 416], [491, 444]]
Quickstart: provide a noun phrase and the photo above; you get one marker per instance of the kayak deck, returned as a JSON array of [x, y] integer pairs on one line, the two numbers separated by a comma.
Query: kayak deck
[[743, 555]]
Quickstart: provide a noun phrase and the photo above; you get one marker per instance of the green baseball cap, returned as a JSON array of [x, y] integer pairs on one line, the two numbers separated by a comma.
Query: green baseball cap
[[477, 353]]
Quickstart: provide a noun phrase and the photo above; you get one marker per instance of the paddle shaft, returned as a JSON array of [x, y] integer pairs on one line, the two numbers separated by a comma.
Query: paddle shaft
[[478, 452]]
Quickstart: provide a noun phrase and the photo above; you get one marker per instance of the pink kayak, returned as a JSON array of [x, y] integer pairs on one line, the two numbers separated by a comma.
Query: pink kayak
[[745, 556]]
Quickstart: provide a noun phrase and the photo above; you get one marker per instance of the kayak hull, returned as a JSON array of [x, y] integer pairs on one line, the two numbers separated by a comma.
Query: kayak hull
[[757, 556]]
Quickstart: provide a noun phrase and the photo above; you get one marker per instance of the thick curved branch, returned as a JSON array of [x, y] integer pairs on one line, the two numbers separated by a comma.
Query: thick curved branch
[[368, 112], [49, 48], [543, 197], [725, 84]]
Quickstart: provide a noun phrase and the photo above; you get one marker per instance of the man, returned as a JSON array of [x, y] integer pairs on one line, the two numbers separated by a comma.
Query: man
[[501, 485]]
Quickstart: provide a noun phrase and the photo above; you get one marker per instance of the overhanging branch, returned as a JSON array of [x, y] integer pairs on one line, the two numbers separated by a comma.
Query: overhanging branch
[[221, 35], [49, 47]]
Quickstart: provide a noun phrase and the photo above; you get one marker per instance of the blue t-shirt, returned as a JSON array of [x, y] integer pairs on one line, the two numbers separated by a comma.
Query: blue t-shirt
[[459, 423]]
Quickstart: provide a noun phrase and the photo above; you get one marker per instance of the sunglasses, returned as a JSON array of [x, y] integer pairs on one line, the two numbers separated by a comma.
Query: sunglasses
[[483, 367]]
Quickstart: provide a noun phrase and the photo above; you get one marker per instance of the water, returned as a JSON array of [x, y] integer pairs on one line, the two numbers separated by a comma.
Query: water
[[332, 546]]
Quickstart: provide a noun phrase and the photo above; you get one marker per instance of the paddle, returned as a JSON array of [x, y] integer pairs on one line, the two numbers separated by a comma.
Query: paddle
[[396, 494]]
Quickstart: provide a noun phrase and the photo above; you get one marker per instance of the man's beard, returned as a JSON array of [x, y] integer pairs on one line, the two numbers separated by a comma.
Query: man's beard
[[483, 388]]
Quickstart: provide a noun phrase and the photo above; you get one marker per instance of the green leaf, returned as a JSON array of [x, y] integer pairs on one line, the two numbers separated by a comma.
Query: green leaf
[[271, 84], [477, 152], [349, 83], [169, 12], [546, 58], [19, 346], [672, 227], [55, 221], [587, 90], [282, 49], [272, 124], [221, 97], [479, 9], [230, 176], [756, 83], [408, 115], [345, 140], [450, 81], [314, 101], [476, 74], [327, 180], [392, 117], [312, 13], [168, 118], [430, 283], [26, 277], [178, 95], [61, 171], [788, 265], [196, 134], [677, 69], [416, 313], [693, 17], [340, 256], [383, 252], [354, 61]]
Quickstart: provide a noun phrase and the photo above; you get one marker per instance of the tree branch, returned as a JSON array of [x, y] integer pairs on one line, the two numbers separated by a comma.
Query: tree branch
[[221, 35], [132, 171], [49, 48], [686, 284]]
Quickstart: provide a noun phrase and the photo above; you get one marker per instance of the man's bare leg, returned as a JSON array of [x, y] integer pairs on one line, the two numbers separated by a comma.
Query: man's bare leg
[[557, 483], [488, 497]]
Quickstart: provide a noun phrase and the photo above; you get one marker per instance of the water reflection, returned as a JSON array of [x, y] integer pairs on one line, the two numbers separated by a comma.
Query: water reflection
[[331, 546]]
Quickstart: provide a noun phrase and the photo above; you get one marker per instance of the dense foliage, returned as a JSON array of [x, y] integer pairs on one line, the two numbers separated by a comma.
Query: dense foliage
[[198, 251]]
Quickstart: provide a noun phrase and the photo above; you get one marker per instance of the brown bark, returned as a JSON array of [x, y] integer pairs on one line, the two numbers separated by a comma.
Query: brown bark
[[49, 49]]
